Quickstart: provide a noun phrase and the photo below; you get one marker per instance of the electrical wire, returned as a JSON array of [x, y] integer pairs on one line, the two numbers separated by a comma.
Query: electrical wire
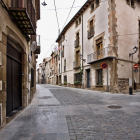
[[69, 13], [62, 8], [56, 14]]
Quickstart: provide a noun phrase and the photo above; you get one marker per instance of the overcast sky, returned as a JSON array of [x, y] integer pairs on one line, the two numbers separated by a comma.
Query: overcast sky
[[47, 26]]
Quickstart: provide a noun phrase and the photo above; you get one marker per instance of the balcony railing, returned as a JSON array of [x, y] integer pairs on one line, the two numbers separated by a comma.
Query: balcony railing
[[76, 43], [90, 33], [103, 53], [64, 68], [37, 51], [23, 13], [76, 64]]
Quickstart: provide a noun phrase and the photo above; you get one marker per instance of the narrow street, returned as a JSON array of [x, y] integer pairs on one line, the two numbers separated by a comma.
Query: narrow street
[[59, 113]]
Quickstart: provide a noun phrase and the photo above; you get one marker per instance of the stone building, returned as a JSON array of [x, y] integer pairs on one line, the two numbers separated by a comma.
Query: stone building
[[101, 32], [17, 62]]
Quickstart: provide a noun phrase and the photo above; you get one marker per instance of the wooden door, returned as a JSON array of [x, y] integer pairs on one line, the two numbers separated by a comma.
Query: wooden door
[[14, 93], [88, 78]]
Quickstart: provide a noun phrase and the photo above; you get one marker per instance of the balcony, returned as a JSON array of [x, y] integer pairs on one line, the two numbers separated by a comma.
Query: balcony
[[76, 64], [23, 13], [64, 68], [90, 33], [101, 54], [76, 43], [37, 51]]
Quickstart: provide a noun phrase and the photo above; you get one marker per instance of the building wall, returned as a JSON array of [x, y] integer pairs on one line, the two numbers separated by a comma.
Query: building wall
[[127, 23], [10, 33]]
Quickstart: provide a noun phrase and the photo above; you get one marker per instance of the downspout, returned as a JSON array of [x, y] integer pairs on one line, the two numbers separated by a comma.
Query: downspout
[[82, 52]]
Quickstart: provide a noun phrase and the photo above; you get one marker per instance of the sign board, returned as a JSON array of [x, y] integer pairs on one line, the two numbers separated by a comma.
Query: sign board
[[135, 70], [136, 66], [0, 85], [130, 82], [0, 58], [104, 65]]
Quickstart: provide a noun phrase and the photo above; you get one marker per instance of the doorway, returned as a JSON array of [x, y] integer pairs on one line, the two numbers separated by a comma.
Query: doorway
[[14, 92], [88, 78]]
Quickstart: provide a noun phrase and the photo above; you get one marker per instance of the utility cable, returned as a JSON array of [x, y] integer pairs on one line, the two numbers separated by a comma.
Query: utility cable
[[56, 14], [69, 13]]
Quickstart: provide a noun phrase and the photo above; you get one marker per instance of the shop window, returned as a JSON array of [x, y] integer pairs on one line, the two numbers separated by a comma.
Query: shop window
[[99, 77]]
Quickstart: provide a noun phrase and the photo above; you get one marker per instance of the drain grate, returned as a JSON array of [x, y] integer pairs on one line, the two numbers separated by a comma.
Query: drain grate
[[114, 107], [45, 97]]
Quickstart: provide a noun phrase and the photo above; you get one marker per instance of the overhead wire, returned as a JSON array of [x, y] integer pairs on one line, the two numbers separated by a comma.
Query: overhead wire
[[56, 14], [69, 13]]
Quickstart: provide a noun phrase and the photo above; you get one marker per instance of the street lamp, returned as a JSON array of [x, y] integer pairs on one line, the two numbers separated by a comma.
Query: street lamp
[[131, 54], [44, 3]]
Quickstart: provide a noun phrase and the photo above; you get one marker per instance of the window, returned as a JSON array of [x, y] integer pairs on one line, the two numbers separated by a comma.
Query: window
[[77, 77], [76, 23], [131, 3], [99, 77], [79, 20], [97, 3], [65, 78], [91, 30], [64, 65], [92, 6]]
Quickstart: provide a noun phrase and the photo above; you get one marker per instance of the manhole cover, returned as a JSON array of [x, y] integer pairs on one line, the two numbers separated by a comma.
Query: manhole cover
[[114, 107]]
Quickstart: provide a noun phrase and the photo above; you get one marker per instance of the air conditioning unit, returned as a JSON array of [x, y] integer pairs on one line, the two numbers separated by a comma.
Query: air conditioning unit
[[0, 115]]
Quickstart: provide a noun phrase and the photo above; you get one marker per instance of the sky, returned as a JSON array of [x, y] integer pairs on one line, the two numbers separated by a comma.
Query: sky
[[47, 26]]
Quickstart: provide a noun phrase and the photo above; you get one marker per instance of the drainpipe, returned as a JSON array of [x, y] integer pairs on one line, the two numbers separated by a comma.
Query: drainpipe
[[82, 52]]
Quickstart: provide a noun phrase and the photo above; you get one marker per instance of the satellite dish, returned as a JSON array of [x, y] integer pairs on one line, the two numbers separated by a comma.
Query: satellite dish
[[33, 46]]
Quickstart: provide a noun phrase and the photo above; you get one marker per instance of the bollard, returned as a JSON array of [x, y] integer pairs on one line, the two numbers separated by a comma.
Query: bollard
[[130, 91]]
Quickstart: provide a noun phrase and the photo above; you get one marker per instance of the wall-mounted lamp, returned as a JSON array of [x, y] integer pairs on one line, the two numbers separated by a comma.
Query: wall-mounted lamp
[[81, 57], [44, 3]]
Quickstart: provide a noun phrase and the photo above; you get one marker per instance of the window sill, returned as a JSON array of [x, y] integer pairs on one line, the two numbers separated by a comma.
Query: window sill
[[99, 86]]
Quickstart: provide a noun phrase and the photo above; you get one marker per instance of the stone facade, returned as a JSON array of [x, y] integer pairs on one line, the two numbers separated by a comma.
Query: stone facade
[[12, 35]]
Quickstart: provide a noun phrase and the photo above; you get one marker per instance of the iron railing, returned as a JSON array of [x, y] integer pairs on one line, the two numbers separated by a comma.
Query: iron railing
[[108, 51], [90, 32], [76, 64], [76, 43], [28, 5]]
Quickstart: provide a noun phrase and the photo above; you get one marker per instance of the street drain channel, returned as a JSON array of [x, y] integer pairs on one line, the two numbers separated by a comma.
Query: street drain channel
[[45, 97], [114, 107]]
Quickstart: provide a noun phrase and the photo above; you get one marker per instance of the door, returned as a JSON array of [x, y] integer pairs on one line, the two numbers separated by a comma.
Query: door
[[88, 78], [14, 94]]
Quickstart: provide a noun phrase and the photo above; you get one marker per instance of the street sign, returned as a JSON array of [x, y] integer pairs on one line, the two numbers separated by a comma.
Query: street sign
[[135, 70], [135, 66], [104, 65]]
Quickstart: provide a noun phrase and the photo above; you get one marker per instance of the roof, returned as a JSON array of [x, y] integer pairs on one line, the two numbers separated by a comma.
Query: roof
[[85, 6]]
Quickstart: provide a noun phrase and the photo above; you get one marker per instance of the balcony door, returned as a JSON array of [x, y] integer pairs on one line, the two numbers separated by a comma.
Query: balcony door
[[99, 48]]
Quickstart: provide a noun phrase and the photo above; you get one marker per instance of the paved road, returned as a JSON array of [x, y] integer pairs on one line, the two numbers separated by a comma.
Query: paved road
[[59, 113]]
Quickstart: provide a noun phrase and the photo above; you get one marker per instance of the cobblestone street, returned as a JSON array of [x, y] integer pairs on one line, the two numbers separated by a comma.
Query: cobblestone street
[[61, 113]]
